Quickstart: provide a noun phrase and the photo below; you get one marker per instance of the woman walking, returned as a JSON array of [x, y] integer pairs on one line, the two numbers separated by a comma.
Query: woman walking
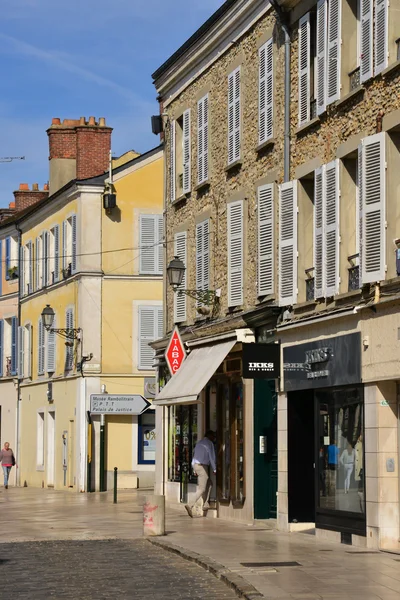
[[7, 459], [347, 459]]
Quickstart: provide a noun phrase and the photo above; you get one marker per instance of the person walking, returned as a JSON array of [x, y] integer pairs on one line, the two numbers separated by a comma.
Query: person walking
[[348, 459], [7, 459], [204, 456]]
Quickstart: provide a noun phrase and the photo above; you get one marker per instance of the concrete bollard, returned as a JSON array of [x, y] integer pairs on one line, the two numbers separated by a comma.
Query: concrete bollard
[[154, 516]]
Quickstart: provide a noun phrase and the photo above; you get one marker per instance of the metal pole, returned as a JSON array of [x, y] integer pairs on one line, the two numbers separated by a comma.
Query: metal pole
[[115, 484], [89, 456], [102, 451]]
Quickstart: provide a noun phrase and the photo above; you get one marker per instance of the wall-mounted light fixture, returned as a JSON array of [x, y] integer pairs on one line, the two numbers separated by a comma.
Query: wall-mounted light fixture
[[48, 320], [175, 272]]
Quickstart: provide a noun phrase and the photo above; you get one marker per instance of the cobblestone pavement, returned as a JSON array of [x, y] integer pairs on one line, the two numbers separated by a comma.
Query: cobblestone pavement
[[101, 569]]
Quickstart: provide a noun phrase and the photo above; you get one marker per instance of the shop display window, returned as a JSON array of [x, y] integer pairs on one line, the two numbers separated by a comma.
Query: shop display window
[[147, 438], [182, 438]]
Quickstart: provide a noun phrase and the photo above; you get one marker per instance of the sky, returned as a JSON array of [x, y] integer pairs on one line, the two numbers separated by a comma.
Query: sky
[[73, 58]]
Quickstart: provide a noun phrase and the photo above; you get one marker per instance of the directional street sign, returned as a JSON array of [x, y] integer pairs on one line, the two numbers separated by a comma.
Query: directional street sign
[[175, 353], [116, 404]]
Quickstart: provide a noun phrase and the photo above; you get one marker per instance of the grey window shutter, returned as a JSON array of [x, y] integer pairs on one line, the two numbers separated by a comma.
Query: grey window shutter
[[187, 176], [359, 214], [288, 243], [38, 265], [172, 159], [319, 259], [159, 248], [69, 353], [322, 21], [29, 351], [74, 235], [266, 240], [21, 352], [331, 229], [41, 347], [366, 43], [30, 266], [374, 209], [180, 250], [381, 35], [334, 50], [64, 257], [51, 349], [148, 241], [56, 253], [148, 326], [266, 92], [235, 253], [22, 272], [234, 116], [202, 256], [304, 69], [202, 140], [160, 322]]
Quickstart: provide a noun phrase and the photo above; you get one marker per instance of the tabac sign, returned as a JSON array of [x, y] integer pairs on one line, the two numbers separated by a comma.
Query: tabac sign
[[175, 353]]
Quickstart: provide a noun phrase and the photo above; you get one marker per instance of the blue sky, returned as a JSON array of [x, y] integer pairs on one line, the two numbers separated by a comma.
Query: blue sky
[[71, 58]]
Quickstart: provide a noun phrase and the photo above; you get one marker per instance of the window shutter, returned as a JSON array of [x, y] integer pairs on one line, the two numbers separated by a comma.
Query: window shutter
[[147, 244], [74, 235], [202, 256], [187, 176], [160, 322], [37, 265], [234, 116], [319, 202], [21, 352], [14, 346], [51, 349], [149, 326], [56, 253], [266, 92], [359, 214], [322, 20], [69, 355], [159, 248], [8, 256], [331, 228], [304, 69], [373, 210], [266, 269], [41, 346], [30, 267], [366, 40], [1, 348], [21, 272], [334, 47], [202, 140], [64, 245], [180, 250], [172, 158], [235, 253], [381, 35], [29, 351], [288, 243]]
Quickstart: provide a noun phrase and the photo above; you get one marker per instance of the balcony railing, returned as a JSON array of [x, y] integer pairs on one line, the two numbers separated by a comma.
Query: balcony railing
[[310, 284], [354, 272], [355, 80]]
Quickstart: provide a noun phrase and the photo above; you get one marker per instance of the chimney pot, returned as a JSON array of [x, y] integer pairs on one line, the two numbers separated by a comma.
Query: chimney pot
[[102, 122], [56, 121], [35, 187], [46, 187], [82, 121], [11, 205], [24, 186], [92, 121]]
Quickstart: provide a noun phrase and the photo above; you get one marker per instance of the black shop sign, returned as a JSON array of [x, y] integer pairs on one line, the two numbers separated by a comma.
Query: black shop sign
[[324, 363], [261, 361]]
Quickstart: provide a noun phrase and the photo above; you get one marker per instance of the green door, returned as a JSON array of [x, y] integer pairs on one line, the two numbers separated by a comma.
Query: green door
[[266, 461]]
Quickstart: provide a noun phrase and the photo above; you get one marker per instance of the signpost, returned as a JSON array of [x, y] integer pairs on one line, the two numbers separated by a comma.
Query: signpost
[[175, 353], [116, 404]]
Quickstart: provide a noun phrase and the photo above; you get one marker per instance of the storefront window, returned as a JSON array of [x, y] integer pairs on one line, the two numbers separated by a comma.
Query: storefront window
[[182, 438], [237, 397], [341, 450], [147, 438], [225, 446]]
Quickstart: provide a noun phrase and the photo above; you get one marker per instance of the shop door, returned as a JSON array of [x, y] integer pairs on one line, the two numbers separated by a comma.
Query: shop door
[[301, 457], [265, 449], [71, 454], [51, 420]]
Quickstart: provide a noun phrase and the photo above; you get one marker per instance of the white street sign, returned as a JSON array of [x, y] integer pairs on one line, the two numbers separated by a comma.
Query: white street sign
[[115, 404]]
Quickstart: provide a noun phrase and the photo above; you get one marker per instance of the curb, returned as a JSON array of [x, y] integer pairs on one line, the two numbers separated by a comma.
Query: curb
[[242, 588]]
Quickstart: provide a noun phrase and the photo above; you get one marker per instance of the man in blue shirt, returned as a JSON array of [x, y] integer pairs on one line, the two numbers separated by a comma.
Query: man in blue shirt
[[203, 457]]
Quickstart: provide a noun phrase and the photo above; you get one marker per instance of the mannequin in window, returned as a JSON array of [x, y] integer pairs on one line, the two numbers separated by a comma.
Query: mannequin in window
[[347, 460]]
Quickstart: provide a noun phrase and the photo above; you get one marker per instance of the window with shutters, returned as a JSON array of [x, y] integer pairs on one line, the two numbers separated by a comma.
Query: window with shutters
[[374, 45], [202, 139], [28, 350], [54, 258], [288, 244], [45, 240], [22, 272], [151, 232], [11, 258], [266, 240], [21, 352], [14, 346], [69, 251], [181, 159], [235, 253], [180, 250], [51, 348], [41, 344], [38, 264], [150, 328], [203, 256], [28, 268], [70, 345], [234, 116], [266, 92]]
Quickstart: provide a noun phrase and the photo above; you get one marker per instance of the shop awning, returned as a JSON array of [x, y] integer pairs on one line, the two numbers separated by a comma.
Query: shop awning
[[196, 371]]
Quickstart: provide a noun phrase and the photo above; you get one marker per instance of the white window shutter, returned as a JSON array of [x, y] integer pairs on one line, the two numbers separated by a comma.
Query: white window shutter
[[187, 176], [28, 335], [319, 258], [266, 240], [334, 51], [304, 69], [234, 116], [374, 208], [38, 264], [172, 159], [21, 272], [206, 254], [288, 243], [366, 44], [41, 346], [381, 35], [69, 354], [160, 322], [331, 228], [180, 250], [21, 352], [202, 140], [235, 253], [359, 214], [74, 235], [148, 331], [266, 92], [56, 253], [202, 256], [30, 266], [159, 249], [51, 349], [64, 245], [322, 20], [147, 233]]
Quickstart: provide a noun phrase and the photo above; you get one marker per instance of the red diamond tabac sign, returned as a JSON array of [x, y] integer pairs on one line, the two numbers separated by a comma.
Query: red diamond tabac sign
[[175, 353]]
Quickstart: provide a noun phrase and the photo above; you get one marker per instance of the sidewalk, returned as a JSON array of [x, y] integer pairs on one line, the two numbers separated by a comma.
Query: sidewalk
[[325, 571]]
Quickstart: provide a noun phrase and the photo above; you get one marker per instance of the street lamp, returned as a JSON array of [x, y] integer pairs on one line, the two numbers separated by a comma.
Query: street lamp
[[48, 320], [175, 273]]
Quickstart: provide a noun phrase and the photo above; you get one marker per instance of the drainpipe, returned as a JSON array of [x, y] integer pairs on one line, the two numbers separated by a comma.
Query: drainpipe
[[283, 21]]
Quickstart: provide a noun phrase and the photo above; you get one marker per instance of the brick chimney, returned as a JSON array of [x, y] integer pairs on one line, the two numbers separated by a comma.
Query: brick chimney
[[25, 196], [78, 149]]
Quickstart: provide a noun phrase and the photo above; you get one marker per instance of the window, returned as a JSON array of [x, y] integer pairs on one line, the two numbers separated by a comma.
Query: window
[[147, 438], [373, 37], [266, 255], [202, 140], [150, 329], [151, 244], [54, 266], [41, 347], [288, 243], [38, 264], [11, 259], [51, 348], [40, 440], [234, 116], [22, 271], [235, 253], [28, 266], [266, 92], [180, 250], [45, 243], [304, 68], [182, 439], [21, 352], [180, 149], [69, 246], [203, 255], [69, 346], [14, 346]]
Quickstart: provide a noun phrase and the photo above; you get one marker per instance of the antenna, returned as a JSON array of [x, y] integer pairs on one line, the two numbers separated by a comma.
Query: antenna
[[10, 158]]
